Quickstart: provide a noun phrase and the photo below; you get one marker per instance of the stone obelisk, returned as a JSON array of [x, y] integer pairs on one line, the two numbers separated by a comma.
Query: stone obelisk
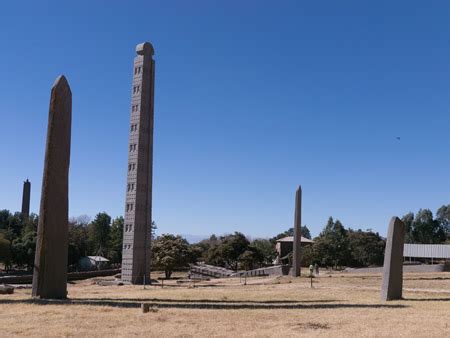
[[138, 204], [392, 284], [296, 254], [26, 199], [50, 264]]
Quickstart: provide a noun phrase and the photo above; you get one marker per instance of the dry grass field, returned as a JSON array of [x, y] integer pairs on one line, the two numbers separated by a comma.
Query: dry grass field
[[338, 305]]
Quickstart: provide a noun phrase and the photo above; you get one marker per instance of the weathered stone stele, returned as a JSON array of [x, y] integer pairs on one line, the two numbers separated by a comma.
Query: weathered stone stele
[[6, 289], [392, 283], [138, 204], [296, 254], [50, 265], [26, 199]]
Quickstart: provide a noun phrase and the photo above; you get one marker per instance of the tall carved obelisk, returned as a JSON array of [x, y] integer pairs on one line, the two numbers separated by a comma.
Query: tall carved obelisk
[[138, 205], [296, 255], [26, 199], [50, 264]]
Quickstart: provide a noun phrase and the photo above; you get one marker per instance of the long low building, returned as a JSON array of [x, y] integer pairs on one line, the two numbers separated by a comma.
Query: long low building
[[427, 251]]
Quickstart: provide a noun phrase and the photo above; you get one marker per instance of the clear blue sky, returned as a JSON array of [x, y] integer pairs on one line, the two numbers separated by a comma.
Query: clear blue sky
[[252, 98]]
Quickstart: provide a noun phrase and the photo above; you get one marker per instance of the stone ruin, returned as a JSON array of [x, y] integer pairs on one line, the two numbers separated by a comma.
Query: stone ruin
[[138, 201], [26, 199], [392, 284], [50, 265], [205, 271], [50, 268], [296, 254]]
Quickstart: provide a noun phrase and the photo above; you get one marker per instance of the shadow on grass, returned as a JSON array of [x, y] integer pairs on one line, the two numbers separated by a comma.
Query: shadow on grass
[[215, 301], [195, 305], [426, 299], [427, 278], [361, 276]]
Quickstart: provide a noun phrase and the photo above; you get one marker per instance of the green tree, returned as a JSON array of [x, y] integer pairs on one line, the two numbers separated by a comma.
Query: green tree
[[422, 228], [443, 217], [228, 250], [205, 245], [309, 256], [305, 232], [267, 249], [5, 251], [408, 220], [4, 216], [170, 252], [16, 223], [116, 240], [426, 229], [332, 247], [29, 246], [78, 240], [24, 246], [98, 234], [366, 248], [250, 259]]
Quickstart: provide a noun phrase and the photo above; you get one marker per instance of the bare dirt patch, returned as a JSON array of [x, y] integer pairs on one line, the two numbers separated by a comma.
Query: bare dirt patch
[[314, 326]]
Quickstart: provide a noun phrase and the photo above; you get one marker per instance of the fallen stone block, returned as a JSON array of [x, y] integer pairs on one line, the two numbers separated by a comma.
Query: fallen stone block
[[6, 289]]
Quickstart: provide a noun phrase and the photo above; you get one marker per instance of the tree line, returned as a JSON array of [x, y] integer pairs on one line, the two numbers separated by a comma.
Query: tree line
[[101, 236], [335, 246], [424, 228]]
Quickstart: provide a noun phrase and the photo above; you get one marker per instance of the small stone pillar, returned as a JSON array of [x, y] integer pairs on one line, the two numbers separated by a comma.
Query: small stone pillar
[[296, 254], [145, 307], [392, 283], [26, 199]]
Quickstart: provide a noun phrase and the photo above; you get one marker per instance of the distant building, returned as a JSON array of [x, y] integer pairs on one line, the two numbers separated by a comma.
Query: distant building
[[285, 246], [433, 251], [90, 263]]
